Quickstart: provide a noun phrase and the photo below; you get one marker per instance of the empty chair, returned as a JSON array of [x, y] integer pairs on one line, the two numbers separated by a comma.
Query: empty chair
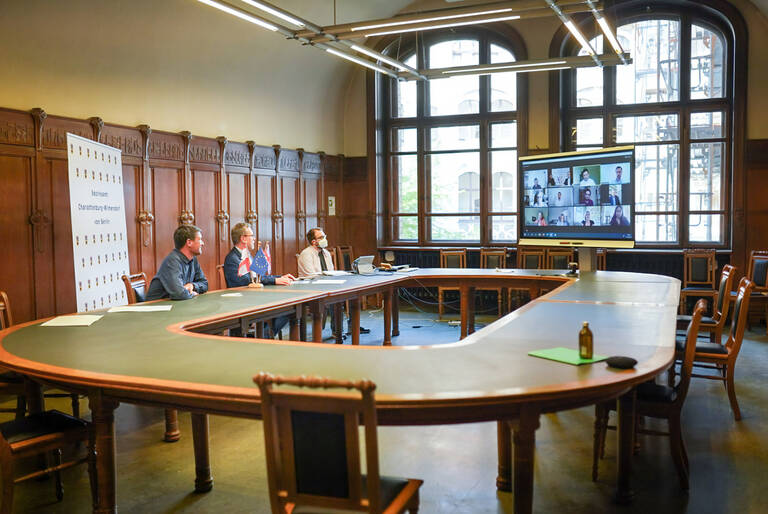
[[11, 384], [756, 272], [222, 278], [714, 324], [659, 401], [450, 259], [699, 268], [135, 289], [344, 256], [528, 257], [313, 449], [602, 259], [38, 434], [721, 358], [558, 258], [494, 258]]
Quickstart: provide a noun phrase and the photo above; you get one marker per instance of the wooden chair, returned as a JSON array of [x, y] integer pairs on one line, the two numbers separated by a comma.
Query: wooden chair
[[135, 290], [528, 257], [450, 259], [722, 358], [313, 449], [699, 268], [559, 258], [222, 278], [493, 258], [344, 257], [658, 401], [602, 259], [757, 272], [11, 383], [714, 324], [38, 434]]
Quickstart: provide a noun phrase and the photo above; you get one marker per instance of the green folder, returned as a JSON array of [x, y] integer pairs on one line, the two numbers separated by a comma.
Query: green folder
[[567, 355]]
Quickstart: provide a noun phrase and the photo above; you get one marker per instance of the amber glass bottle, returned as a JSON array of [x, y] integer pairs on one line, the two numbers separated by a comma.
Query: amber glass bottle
[[585, 342]]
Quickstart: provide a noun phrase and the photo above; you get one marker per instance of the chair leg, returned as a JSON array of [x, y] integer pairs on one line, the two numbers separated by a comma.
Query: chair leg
[[499, 300], [21, 406], [413, 505], [57, 474], [677, 447], [92, 469], [75, 405], [731, 388], [598, 444], [440, 303], [172, 432]]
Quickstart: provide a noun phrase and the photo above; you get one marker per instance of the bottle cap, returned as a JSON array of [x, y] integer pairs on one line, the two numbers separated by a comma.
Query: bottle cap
[[586, 323]]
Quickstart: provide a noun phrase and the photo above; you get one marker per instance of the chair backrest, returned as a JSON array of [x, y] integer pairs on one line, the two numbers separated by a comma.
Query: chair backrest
[[135, 287], [686, 369], [529, 257], [723, 293], [453, 258], [344, 257], [739, 317], [602, 259], [222, 278], [558, 258], [699, 267], [758, 268], [5, 311], [492, 258], [312, 443]]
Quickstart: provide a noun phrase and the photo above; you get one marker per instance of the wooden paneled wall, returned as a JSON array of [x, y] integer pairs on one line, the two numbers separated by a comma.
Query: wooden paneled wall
[[168, 179]]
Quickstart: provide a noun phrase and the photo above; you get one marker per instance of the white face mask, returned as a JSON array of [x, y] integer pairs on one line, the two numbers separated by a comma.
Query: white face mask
[[323, 243]]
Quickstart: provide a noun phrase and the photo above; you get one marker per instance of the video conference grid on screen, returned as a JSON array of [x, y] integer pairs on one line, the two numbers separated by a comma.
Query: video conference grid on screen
[[581, 195]]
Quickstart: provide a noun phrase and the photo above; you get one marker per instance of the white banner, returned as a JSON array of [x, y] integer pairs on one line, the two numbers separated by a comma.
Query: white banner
[[99, 236]]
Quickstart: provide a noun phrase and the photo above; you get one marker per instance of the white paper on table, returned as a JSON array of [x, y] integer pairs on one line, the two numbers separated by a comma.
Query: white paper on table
[[140, 308], [335, 272], [232, 294], [504, 270], [328, 281], [78, 320]]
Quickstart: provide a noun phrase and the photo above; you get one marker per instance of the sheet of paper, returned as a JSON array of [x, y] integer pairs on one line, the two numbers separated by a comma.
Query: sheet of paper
[[140, 308], [328, 281], [77, 320], [231, 294], [335, 273]]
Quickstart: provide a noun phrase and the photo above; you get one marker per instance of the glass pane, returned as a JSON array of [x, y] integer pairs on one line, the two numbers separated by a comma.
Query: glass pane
[[654, 75], [504, 228], [656, 127], [503, 85], [589, 81], [406, 94], [705, 228], [706, 125], [455, 228], [706, 176], [455, 182], [407, 184], [589, 132], [504, 135], [656, 228], [504, 179], [463, 137], [656, 178], [707, 57], [455, 95], [405, 140], [406, 228]]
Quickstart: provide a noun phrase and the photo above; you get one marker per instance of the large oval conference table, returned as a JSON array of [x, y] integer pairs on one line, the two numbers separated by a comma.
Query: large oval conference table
[[167, 359]]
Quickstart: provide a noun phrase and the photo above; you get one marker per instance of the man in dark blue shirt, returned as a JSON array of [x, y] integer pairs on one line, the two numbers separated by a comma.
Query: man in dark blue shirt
[[242, 237], [180, 276]]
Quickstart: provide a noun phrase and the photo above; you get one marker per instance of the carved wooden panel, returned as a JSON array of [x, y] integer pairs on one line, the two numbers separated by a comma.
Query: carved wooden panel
[[288, 160], [237, 156], [308, 218], [311, 163], [204, 197], [131, 178], [16, 253], [289, 192], [264, 208], [169, 147], [238, 205], [264, 158], [63, 265], [204, 150], [55, 131], [166, 183], [126, 139], [16, 128]]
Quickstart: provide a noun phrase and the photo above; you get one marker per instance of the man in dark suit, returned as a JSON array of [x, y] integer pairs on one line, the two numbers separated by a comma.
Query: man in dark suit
[[237, 264]]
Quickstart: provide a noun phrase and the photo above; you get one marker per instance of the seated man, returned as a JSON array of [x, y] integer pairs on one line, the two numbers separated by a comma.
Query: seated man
[[242, 237], [180, 276]]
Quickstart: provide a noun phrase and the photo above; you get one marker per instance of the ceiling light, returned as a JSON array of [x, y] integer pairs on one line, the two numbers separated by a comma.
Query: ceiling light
[[375, 55], [240, 14], [275, 12], [428, 19], [442, 26], [579, 37], [361, 62], [509, 67]]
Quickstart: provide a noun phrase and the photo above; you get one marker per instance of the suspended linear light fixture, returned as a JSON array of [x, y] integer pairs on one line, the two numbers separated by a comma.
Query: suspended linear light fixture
[[274, 11], [606, 30], [574, 31]]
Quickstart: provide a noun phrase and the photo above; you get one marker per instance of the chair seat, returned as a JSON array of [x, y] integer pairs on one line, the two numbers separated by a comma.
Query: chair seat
[[690, 289], [389, 488], [652, 392], [705, 320], [701, 346], [37, 425]]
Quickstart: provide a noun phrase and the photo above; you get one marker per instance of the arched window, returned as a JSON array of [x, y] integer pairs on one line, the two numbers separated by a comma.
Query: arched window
[[452, 144], [674, 103]]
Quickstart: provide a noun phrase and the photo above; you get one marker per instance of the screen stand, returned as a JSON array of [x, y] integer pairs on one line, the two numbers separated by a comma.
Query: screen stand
[[587, 259]]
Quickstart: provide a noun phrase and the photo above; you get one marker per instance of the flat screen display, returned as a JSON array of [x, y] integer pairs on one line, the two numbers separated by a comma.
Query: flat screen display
[[578, 198]]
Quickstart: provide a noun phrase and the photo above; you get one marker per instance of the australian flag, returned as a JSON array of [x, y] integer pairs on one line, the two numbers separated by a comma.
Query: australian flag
[[260, 265]]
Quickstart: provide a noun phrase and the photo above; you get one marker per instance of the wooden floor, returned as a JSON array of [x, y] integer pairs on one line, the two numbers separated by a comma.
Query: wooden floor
[[729, 460]]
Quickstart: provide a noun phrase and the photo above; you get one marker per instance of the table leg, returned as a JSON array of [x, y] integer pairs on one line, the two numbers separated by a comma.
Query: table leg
[[524, 429], [471, 316], [103, 419], [354, 319], [395, 312], [625, 431], [172, 432], [203, 479], [303, 323], [388, 317], [316, 308], [467, 310], [504, 440], [338, 330], [293, 323], [34, 396]]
